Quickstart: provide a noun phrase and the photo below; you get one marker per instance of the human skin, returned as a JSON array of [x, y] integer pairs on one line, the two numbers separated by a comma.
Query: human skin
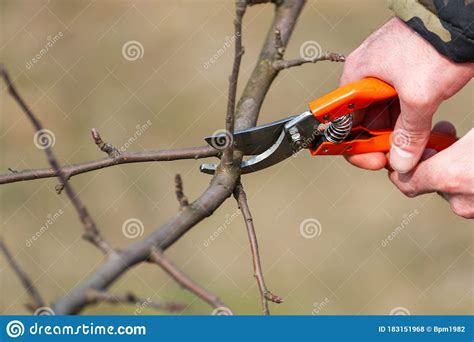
[[423, 79]]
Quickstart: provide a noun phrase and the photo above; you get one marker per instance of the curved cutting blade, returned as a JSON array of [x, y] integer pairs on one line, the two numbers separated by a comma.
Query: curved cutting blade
[[279, 151], [255, 140]]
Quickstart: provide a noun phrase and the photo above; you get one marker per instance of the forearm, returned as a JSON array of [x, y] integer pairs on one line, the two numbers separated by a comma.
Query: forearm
[[447, 24]]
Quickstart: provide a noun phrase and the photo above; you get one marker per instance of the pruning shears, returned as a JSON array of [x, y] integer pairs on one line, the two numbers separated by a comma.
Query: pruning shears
[[326, 128]]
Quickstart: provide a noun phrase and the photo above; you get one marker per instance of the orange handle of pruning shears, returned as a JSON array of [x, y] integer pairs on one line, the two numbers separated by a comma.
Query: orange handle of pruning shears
[[359, 95]]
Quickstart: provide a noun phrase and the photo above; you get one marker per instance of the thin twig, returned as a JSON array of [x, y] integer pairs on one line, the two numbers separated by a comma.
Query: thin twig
[[281, 64], [111, 151], [91, 232], [265, 294], [182, 199], [227, 156], [182, 279], [129, 298], [36, 299], [124, 158]]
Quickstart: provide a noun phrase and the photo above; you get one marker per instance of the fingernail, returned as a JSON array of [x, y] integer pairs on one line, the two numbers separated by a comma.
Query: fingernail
[[400, 160]]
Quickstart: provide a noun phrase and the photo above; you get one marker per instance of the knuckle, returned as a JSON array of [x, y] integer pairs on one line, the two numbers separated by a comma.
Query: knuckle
[[462, 208]]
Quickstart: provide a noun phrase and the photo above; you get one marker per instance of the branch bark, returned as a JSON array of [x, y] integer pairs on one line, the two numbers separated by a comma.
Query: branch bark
[[36, 299], [95, 297], [265, 294], [123, 158]]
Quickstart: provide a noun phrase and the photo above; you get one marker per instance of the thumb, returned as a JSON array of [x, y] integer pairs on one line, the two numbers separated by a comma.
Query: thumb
[[410, 136]]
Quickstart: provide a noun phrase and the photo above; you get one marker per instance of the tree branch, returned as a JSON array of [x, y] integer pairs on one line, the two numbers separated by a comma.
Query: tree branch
[[265, 294], [327, 56], [95, 297], [36, 299], [227, 157], [221, 186], [182, 199], [158, 258], [123, 158], [111, 151], [91, 232]]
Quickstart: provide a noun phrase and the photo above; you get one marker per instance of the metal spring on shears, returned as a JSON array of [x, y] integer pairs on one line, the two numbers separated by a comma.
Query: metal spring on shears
[[339, 129]]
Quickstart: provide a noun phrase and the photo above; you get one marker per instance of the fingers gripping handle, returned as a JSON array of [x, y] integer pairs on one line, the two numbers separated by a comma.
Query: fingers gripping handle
[[367, 141], [359, 95]]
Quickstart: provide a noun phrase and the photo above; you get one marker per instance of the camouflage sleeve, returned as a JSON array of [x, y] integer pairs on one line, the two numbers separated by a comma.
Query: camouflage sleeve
[[447, 24]]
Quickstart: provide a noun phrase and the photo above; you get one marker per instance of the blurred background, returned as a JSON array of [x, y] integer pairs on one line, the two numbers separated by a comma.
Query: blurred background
[[176, 89]]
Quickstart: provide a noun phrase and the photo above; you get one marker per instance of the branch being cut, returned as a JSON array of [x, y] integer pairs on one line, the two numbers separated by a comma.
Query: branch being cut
[[36, 299], [123, 158], [158, 258], [91, 232], [227, 156], [95, 297], [265, 294]]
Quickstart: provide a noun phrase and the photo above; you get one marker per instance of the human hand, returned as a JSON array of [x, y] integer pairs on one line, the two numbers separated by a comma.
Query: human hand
[[423, 79], [449, 172]]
